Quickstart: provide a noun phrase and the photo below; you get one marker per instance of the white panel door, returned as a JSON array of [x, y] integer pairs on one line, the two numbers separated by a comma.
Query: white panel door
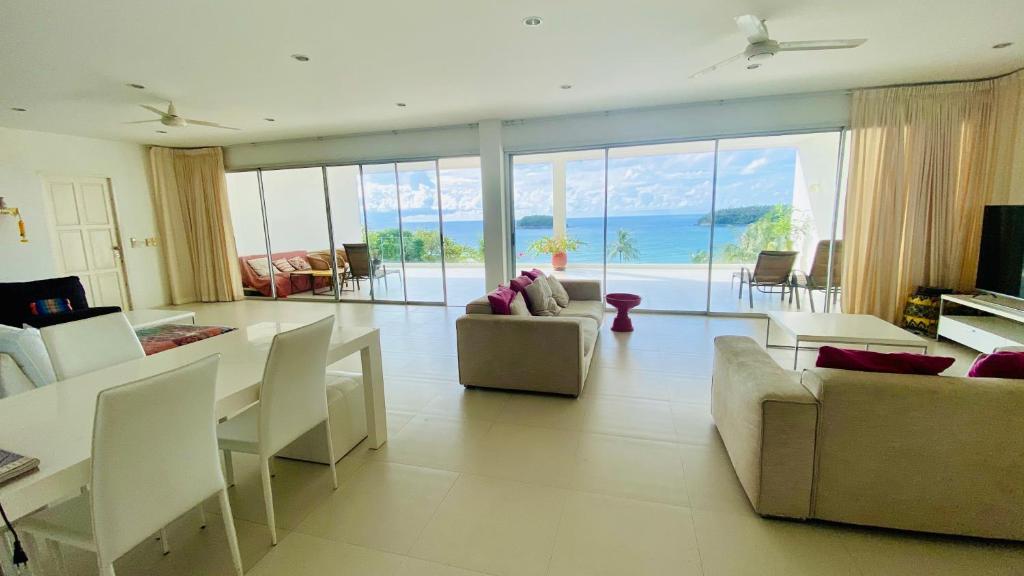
[[88, 246]]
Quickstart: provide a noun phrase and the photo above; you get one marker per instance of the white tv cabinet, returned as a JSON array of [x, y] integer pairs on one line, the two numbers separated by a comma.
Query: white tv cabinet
[[998, 326]]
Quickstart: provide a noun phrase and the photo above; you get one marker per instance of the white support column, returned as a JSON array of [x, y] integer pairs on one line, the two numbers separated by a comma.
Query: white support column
[[558, 197], [492, 174]]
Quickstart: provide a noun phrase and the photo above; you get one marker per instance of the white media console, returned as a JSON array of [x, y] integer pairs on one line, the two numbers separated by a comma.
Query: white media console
[[997, 326]]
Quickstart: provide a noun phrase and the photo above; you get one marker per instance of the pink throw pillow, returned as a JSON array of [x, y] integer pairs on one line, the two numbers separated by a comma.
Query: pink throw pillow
[[998, 365], [532, 274], [519, 284], [501, 300], [890, 363]]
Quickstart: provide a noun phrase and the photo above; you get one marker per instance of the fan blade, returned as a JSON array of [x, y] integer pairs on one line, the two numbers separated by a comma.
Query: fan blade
[[714, 67], [753, 28], [143, 121], [210, 124], [155, 110], [820, 44]]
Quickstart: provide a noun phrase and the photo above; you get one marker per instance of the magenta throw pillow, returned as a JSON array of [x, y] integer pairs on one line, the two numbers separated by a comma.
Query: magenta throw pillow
[[519, 284], [998, 365], [532, 274], [501, 300], [891, 363]]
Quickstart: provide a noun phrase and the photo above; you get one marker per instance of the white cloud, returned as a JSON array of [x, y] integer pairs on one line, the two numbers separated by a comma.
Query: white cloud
[[754, 165]]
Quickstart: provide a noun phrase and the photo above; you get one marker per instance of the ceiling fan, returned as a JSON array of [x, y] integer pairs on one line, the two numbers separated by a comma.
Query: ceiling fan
[[762, 48], [171, 118]]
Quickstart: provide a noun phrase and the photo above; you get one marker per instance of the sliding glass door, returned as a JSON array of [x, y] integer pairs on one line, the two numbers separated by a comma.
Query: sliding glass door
[[690, 226], [384, 222], [658, 201]]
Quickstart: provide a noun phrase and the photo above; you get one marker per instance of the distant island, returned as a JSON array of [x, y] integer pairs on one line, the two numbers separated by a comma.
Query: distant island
[[535, 221], [735, 216]]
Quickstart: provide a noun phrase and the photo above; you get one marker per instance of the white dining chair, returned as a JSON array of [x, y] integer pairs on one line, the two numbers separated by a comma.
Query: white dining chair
[[154, 457], [91, 344], [293, 400]]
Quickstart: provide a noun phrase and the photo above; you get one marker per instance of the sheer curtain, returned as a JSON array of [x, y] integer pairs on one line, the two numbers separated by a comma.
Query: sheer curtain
[[192, 206], [925, 161]]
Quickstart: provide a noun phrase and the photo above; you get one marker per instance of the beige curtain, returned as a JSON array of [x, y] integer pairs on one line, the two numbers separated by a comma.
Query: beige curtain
[[199, 243], [925, 160]]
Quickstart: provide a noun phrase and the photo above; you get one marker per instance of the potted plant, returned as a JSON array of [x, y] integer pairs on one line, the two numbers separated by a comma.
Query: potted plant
[[558, 247]]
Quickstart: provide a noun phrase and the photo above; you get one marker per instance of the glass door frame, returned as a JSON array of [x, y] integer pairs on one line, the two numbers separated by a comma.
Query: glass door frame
[[338, 295], [840, 179]]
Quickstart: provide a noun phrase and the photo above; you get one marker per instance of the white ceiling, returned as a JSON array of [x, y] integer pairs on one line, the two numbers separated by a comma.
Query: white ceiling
[[451, 61]]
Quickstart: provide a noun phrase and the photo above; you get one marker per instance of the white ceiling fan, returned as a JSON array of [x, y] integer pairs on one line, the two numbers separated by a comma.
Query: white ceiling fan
[[171, 118], [762, 48]]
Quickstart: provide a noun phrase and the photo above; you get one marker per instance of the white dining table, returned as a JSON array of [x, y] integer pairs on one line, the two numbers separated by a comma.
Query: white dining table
[[54, 423]]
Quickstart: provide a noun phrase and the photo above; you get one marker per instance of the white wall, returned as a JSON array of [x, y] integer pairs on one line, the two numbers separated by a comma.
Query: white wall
[[26, 157]]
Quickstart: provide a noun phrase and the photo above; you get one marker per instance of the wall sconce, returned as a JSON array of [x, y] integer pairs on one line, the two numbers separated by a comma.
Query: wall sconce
[[5, 211]]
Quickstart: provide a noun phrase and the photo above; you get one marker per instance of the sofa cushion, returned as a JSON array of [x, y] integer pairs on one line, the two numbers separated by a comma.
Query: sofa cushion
[[998, 365], [283, 265], [50, 306], [519, 307], [16, 296], [259, 267], [558, 291], [25, 346], [532, 274], [891, 363], [539, 299], [519, 284], [299, 263], [500, 300], [593, 309]]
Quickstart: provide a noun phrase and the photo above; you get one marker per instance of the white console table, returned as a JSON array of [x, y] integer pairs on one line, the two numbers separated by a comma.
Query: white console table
[[1000, 325]]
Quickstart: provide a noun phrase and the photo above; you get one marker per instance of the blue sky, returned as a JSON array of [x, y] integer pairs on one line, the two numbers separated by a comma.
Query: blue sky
[[667, 184], [637, 185]]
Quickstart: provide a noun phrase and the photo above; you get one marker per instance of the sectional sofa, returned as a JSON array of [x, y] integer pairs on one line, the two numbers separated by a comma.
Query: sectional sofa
[[927, 453]]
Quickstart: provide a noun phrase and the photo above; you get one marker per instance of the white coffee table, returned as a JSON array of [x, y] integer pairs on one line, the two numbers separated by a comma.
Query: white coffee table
[[860, 329], [148, 318]]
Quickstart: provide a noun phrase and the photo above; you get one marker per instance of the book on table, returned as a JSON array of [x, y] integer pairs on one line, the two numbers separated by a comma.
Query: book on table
[[15, 465]]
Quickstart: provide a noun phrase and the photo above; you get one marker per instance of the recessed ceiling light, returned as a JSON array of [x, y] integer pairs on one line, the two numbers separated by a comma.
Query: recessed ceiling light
[[17, 109], [566, 86], [1002, 45], [532, 21], [136, 86], [271, 119], [300, 57], [754, 66], [161, 131], [400, 104]]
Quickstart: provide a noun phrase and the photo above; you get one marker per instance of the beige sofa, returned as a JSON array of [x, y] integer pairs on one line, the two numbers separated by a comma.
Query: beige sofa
[[536, 353], [929, 453]]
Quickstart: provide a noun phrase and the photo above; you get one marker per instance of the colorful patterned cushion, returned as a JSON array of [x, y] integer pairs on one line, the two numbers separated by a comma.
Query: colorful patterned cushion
[[299, 263], [49, 306], [259, 266], [284, 265]]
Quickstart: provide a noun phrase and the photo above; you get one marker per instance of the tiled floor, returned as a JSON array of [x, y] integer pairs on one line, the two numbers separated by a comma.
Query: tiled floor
[[629, 479]]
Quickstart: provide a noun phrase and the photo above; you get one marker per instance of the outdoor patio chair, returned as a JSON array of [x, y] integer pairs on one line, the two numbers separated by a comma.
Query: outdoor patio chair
[[816, 280], [362, 267], [772, 274]]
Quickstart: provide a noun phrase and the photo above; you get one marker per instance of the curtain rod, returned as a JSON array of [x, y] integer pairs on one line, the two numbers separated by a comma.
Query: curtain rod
[[938, 82]]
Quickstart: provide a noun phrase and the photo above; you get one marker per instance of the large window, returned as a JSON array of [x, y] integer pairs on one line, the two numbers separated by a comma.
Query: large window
[[387, 223], [732, 225]]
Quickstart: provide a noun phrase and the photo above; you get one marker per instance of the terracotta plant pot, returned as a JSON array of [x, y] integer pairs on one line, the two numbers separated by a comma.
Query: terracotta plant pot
[[559, 260]]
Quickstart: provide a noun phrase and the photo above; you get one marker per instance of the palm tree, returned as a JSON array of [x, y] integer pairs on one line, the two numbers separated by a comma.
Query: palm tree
[[624, 247]]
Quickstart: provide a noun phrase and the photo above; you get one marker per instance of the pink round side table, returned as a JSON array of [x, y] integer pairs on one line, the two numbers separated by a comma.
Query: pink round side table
[[623, 303]]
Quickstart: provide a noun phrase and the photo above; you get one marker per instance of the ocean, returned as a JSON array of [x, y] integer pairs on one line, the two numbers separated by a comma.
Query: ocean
[[661, 239]]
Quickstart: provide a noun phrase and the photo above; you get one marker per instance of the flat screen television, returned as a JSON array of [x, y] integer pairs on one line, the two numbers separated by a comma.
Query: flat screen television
[[1001, 262]]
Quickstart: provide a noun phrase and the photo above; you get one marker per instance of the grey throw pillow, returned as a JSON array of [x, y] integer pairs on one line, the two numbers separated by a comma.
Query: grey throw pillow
[[558, 291], [519, 307], [540, 300]]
